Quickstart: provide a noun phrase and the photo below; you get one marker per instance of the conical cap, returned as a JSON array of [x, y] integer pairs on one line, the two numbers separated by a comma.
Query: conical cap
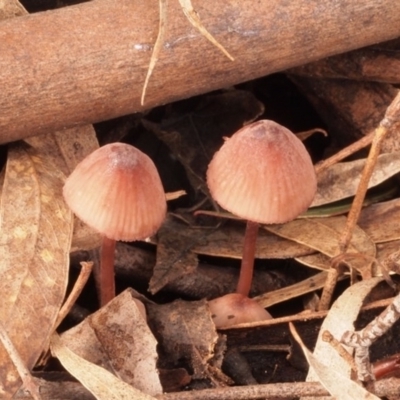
[[117, 191], [263, 173]]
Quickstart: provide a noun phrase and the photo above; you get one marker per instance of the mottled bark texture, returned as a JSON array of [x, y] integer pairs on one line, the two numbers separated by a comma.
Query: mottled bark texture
[[88, 62]]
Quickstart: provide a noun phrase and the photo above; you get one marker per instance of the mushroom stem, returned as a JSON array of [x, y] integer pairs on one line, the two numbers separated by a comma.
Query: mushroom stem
[[249, 251], [105, 276]]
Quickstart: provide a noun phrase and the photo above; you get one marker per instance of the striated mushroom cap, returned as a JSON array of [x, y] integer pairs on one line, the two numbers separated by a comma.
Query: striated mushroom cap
[[263, 173], [117, 191]]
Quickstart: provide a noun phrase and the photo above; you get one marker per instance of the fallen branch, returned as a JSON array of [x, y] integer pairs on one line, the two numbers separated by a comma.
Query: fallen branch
[[87, 63], [72, 390]]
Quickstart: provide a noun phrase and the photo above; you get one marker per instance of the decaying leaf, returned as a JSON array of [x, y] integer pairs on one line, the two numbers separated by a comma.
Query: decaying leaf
[[338, 384], [340, 319], [186, 333], [385, 250], [381, 221], [175, 256], [227, 241], [101, 383], [322, 234], [10, 9], [64, 150], [118, 339], [341, 180], [36, 230], [28, 383]]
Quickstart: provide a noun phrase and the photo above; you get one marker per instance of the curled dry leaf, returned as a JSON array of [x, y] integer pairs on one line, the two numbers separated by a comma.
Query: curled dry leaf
[[341, 180], [118, 339], [36, 229], [101, 383], [338, 385], [340, 319]]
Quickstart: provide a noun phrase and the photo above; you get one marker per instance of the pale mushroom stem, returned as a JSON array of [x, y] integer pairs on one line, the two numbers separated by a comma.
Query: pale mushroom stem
[[249, 252], [105, 276]]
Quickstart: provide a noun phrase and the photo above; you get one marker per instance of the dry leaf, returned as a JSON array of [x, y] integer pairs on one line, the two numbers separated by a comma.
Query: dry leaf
[[381, 221], [186, 333], [10, 9], [340, 319], [36, 229], [175, 256], [64, 150], [101, 383], [227, 241], [335, 382], [323, 234], [117, 338], [384, 250], [341, 180]]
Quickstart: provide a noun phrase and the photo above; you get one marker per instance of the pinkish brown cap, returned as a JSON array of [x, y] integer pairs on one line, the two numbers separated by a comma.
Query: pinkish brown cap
[[263, 173], [234, 308], [117, 191]]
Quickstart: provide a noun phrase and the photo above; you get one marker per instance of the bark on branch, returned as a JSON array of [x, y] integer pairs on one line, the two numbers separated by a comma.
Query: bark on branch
[[87, 63]]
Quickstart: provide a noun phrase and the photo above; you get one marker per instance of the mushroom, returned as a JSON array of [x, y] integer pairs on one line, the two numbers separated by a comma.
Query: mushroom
[[234, 308], [263, 174], [117, 191]]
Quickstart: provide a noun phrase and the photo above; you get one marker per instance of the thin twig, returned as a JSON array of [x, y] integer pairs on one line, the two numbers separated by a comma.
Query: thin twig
[[363, 339], [344, 153], [390, 387], [27, 379], [157, 46], [329, 338], [75, 292], [392, 115]]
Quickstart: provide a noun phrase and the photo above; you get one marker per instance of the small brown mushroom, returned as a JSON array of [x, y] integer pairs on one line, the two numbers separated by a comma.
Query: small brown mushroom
[[117, 191], [234, 308], [263, 174]]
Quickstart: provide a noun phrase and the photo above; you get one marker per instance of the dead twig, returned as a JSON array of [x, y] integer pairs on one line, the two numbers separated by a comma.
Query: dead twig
[[392, 115], [75, 292], [362, 340], [27, 380], [390, 387]]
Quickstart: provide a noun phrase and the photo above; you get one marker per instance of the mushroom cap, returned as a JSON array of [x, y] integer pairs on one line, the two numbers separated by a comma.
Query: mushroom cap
[[263, 173], [117, 191], [234, 308]]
